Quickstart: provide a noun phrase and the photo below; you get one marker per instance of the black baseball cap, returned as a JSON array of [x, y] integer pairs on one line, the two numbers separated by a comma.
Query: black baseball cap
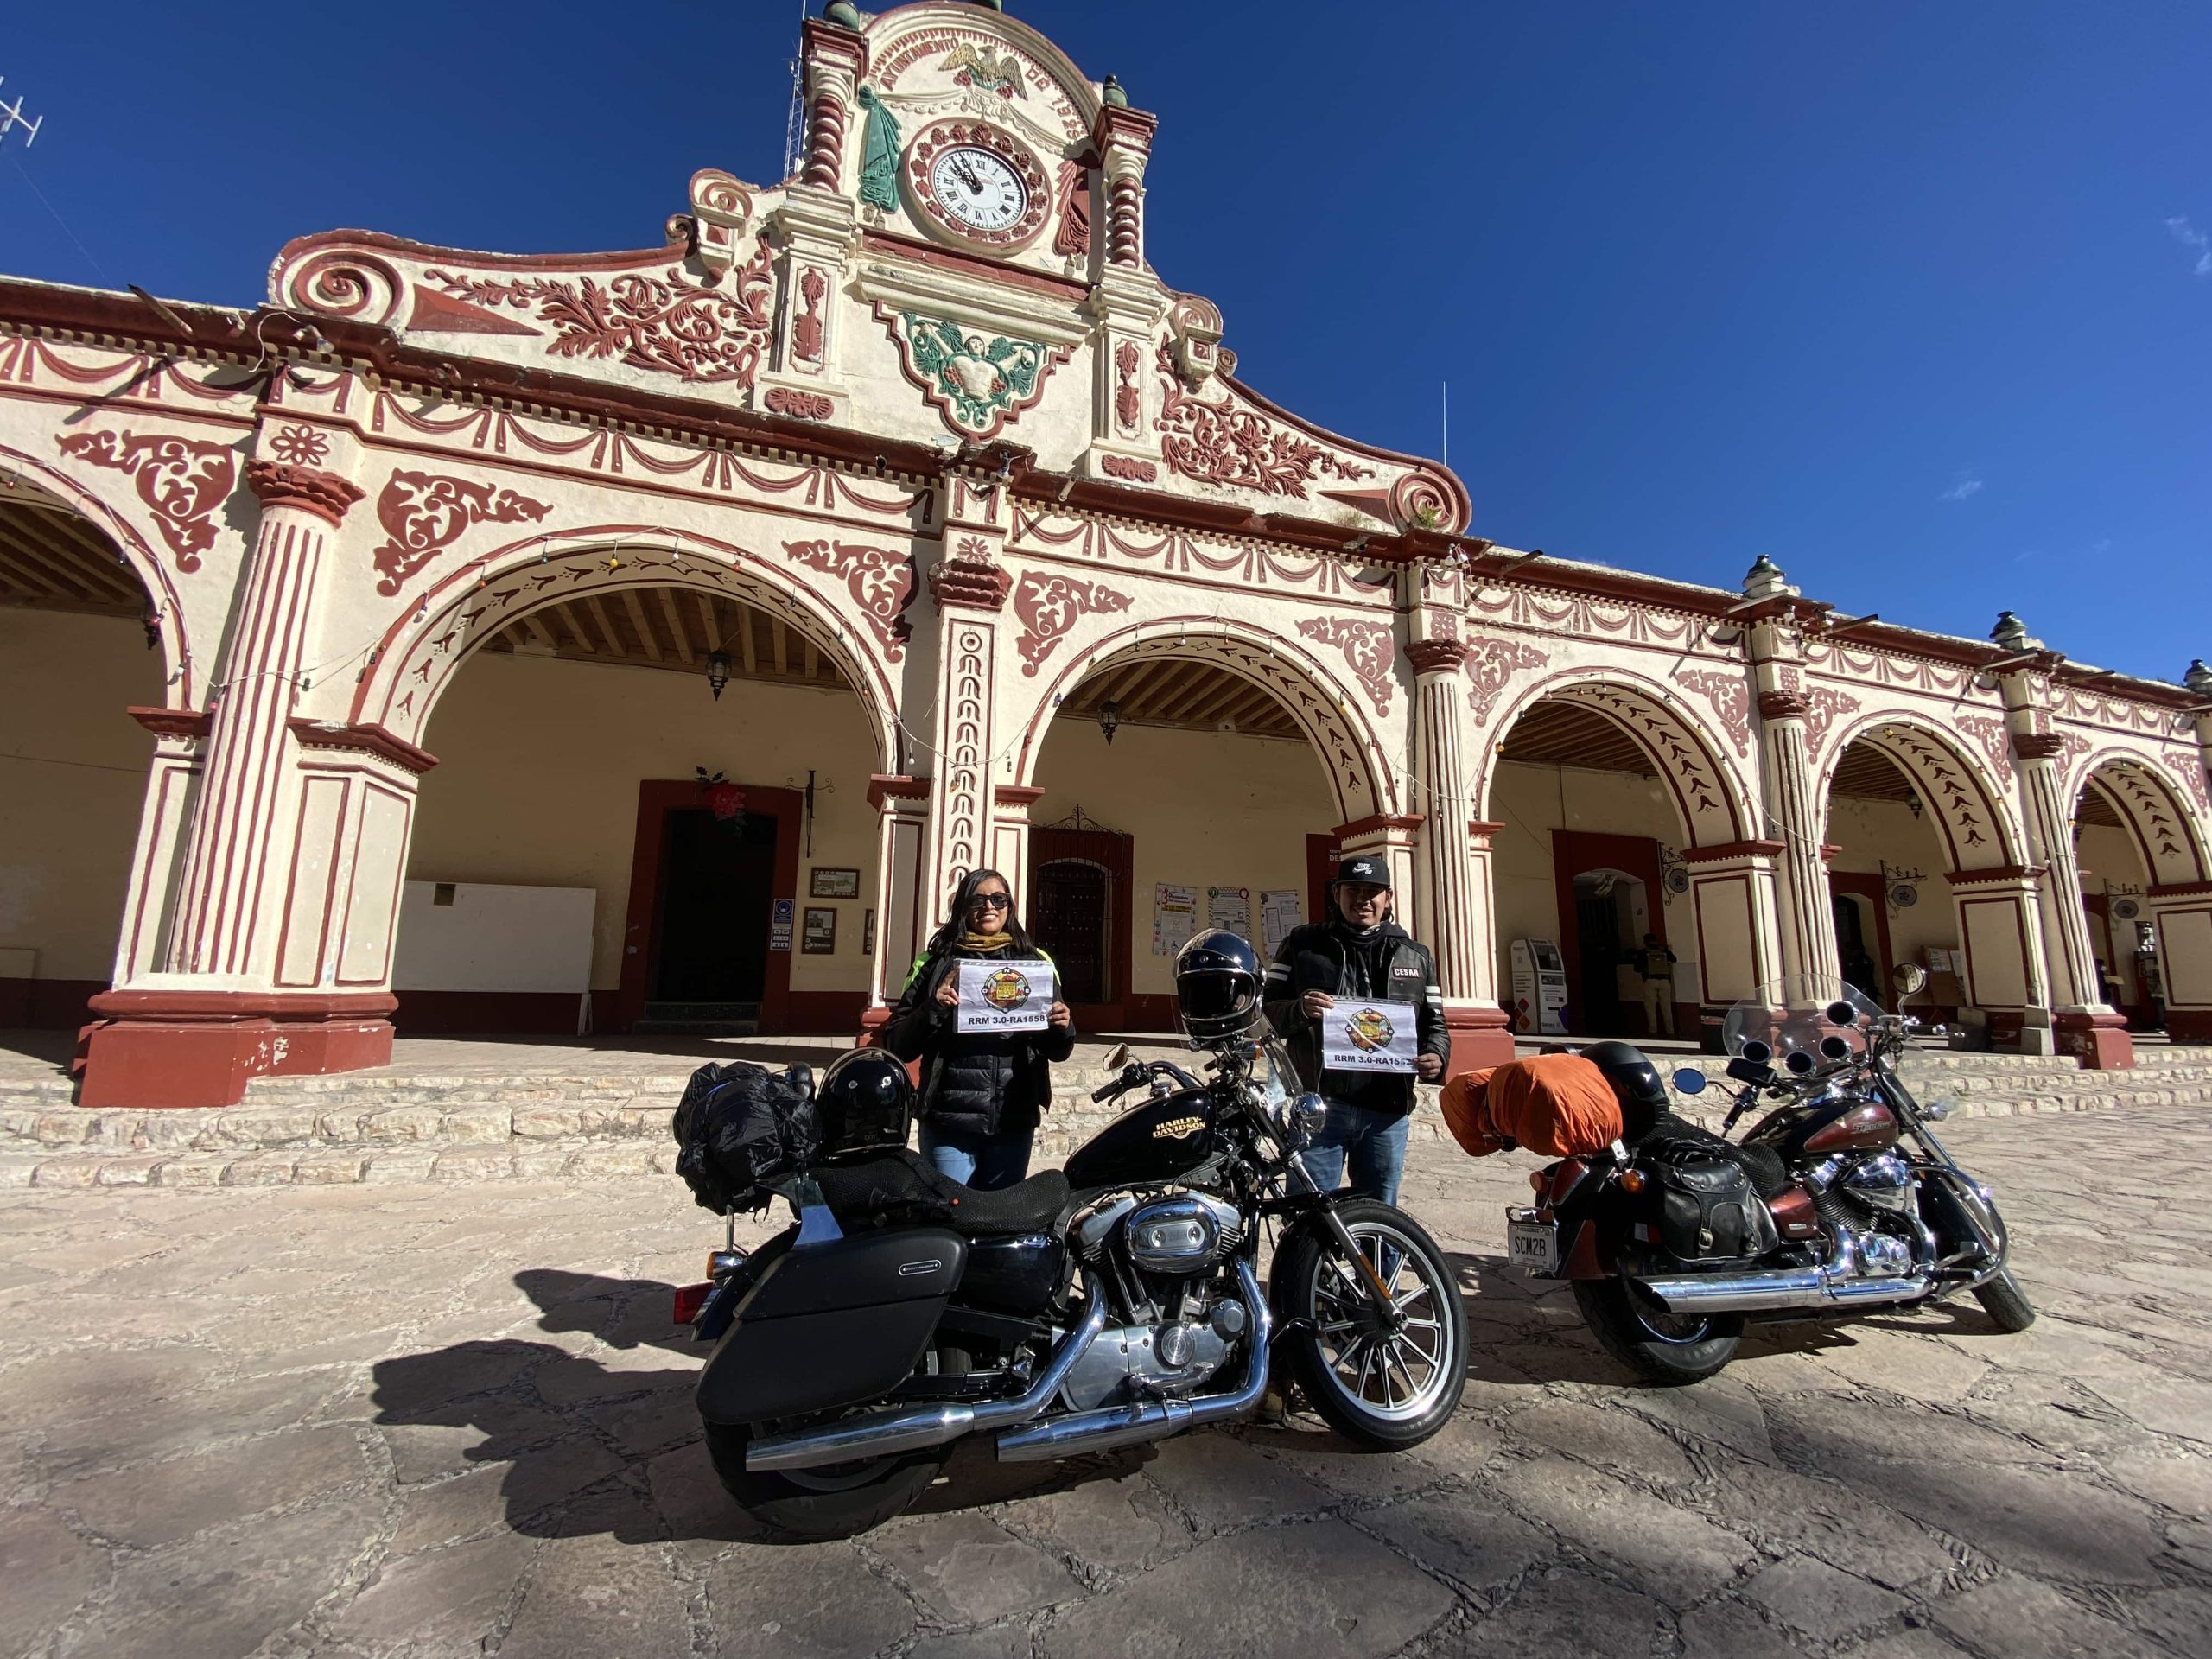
[[1364, 868]]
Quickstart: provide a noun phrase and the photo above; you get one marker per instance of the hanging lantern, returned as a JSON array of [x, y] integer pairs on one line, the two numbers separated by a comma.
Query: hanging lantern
[[717, 672], [1109, 719]]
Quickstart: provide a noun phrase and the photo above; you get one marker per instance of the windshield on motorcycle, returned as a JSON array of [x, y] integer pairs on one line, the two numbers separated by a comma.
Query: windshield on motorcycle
[[1793, 1014]]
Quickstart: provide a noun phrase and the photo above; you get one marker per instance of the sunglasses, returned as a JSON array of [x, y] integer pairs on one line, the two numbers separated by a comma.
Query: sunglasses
[[991, 901]]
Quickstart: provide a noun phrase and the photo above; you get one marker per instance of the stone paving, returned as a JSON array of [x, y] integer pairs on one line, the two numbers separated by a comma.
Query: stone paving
[[426, 1419]]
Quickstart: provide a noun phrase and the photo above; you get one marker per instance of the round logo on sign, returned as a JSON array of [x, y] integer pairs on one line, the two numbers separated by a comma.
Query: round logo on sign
[[1007, 989], [1370, 1028]]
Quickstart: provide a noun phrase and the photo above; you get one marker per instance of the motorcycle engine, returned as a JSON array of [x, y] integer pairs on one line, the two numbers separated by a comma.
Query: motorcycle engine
[[1186, 1316], [1870, 1210]]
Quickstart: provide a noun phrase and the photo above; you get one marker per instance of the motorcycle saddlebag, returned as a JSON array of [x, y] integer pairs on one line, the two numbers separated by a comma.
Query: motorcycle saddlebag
[[1703, 1207], [832, 1325], [741, 1129]]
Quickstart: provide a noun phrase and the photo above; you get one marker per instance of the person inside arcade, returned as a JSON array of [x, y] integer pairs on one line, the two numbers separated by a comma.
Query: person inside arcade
[[1358, 952], [983, 1092]]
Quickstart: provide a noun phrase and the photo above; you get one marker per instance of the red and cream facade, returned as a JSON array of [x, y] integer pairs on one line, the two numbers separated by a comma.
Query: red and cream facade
[[971, 469]]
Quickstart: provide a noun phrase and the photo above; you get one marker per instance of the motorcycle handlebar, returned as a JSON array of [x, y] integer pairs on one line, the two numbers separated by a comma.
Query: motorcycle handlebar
[[1137, 1071]]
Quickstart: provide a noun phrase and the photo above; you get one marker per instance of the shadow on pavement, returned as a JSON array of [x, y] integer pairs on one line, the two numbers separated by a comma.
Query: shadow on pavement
[[605, 1440]]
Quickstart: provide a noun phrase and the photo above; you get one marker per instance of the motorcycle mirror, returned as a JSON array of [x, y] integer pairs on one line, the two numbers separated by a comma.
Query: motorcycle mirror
[[1799, 1061], [1117, 1058], [1757, 1052], [1834, 1048], [1842, 1014], [1688, 1080], [1909, 977]]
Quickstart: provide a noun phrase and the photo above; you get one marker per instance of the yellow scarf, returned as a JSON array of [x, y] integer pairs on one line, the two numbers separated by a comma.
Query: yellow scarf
[[984, 943]]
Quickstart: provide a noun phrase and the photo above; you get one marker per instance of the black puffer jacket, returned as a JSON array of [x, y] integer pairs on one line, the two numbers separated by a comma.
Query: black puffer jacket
[[975, 1081], [1386, 962]]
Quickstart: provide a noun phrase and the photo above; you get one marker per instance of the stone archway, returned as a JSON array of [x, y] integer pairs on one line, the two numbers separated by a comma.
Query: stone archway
[[2169, 838], [1979, 831], [1651, 769], [420, 653]]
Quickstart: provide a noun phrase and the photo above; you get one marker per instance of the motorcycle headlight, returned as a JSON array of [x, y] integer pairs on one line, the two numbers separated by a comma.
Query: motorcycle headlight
[[1302, 1120]]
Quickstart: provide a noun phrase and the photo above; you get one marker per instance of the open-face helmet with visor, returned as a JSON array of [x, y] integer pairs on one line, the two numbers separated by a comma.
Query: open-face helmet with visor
[[1218, 986]]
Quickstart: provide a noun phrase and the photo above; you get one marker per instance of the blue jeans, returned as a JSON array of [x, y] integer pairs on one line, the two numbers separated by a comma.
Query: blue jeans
[[983, 1162], [1374, 1143]]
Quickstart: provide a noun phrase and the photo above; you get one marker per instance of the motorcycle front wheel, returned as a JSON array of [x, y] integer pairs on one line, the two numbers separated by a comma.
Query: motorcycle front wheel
[[1658, 1346], [2005, 1303], [838, 1501], [1386, 1384]]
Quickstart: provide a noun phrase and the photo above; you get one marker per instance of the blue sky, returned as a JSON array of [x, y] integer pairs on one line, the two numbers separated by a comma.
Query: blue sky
[[1915, 299]]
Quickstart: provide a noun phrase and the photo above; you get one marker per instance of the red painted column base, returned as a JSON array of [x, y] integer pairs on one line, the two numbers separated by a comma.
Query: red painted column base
[[1480, 1037], [201, 1048], [2100, 1041], [2189, 1025]]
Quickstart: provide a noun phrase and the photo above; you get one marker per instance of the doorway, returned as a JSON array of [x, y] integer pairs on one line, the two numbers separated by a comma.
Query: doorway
[[1069, 900], [1611, 914], [1079, 913], [1861, 903], [713, 905], [716, 901]]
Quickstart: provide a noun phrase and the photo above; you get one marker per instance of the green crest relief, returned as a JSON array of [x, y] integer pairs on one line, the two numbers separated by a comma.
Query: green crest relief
[[980, 381]]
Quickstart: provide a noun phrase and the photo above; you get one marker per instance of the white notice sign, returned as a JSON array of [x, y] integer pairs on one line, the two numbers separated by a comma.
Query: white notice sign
[[1010, 995], [1369, 1036]]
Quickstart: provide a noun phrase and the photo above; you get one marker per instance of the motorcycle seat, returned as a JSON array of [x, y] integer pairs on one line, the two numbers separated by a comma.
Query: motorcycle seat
[[898, 1186]]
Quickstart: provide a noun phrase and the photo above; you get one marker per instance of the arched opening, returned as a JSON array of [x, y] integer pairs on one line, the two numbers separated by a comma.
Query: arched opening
[[80, 645], [1606, 799], [2115, 878], [1180, 787], [606, 844], [1887, 865]]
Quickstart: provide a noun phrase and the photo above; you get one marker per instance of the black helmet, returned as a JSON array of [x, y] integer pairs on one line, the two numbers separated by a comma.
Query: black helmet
[[1216, 986], [865, 1099], [1636, 1084]]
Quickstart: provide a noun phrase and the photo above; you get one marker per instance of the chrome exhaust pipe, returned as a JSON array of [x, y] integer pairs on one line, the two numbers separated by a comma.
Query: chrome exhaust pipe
[[1775, 1289], [880, 1433], [1152, 1420]]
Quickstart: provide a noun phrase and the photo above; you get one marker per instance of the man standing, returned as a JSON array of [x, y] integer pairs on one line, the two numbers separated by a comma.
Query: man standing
[[1657, 963], [1358, 952]]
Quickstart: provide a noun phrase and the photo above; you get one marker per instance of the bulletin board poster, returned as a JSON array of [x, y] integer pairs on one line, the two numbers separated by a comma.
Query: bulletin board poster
[[1281, 909], [1230, 907], [1174, 917]]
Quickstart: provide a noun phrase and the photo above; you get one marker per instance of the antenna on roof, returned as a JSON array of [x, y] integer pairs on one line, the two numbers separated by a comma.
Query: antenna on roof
[[12, 116], [795, 123]]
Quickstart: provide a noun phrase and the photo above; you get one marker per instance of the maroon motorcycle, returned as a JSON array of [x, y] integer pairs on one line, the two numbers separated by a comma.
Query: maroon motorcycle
[[1839, 1198]]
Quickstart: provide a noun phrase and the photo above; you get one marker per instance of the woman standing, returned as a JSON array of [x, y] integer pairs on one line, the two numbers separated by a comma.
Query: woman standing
[[982, 1092]]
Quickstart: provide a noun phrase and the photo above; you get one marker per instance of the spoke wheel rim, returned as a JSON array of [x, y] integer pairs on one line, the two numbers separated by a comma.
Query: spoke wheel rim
[[1398, 1374], [1676, 1330]]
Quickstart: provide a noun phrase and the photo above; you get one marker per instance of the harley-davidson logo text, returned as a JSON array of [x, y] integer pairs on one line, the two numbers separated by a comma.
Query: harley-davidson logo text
[[1178, 1129]]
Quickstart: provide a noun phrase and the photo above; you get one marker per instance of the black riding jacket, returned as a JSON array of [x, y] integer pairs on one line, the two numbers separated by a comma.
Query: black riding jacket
[[973, 1082], [1384, 962]]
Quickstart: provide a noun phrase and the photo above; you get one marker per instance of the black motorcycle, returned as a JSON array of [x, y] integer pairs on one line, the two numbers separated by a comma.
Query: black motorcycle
[[1115, 1302], [1840, 1198]]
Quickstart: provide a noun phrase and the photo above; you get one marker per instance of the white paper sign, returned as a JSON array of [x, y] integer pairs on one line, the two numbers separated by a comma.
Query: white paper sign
[[1369, 1036], [1174, 917], [1010, 995], [1281, 909], [1230, 907]]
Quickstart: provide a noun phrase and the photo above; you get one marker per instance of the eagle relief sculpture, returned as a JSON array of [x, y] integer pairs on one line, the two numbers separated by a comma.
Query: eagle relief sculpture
[[979, 385]]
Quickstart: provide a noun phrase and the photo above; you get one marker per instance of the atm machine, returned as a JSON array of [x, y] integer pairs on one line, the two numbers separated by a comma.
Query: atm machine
[[1539, 989]]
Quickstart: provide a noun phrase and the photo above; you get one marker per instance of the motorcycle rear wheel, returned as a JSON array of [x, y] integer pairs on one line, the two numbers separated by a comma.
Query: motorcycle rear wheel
[[2003, 1300], [1672, 1349], [1384, 1390], [838, 1502]]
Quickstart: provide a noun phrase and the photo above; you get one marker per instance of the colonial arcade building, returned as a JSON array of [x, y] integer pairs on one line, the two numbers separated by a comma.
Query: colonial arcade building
[[648, 640]]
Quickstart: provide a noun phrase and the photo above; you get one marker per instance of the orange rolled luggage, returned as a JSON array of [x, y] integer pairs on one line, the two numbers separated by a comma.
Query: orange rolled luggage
[[1555, 1105]]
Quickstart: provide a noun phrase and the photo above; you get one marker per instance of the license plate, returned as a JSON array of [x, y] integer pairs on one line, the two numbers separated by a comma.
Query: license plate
[[1533, 1246]]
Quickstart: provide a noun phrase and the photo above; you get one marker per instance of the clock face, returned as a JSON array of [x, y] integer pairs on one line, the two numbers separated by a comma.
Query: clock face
[[977, 184], [978, 188]]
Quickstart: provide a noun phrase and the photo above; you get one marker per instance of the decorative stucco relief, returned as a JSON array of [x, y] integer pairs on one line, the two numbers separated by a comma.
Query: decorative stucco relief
[[1731, 697], [1995, 737], [1221, 442], [881, 583], [181, 480], [977, 382], [1492, 664], [424, 513], [1048, 606], [1370, 651]]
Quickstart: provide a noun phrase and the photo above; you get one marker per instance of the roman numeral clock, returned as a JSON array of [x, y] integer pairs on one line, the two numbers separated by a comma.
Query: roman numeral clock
[[976, 185]]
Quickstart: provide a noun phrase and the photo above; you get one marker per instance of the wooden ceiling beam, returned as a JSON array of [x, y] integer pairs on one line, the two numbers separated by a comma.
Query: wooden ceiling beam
[[64, 558], [635, 605], [679, 634], [749, 647], [779, 640]]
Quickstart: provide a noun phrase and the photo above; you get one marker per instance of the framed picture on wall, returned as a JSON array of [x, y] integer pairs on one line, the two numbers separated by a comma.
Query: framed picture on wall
[[819, 938], [825, 882]]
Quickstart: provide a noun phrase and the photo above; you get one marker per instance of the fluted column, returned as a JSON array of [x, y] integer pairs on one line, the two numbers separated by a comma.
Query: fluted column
[[1804, 911], [2085, 1027], [969, 584], [219, 922], [1449, 916]]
